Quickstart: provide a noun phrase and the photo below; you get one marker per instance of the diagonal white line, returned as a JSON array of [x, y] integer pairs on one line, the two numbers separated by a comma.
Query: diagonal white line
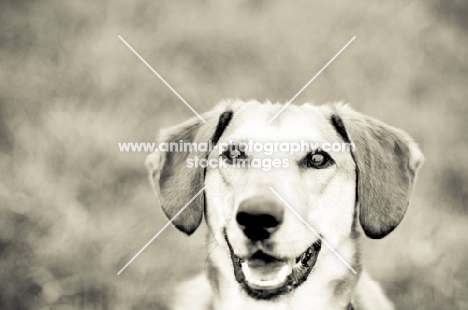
[[312, 79], [160, 231], [313, 230], [162, 79]]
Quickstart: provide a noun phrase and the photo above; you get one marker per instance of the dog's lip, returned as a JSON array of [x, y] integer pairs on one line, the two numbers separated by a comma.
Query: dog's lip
[[264, 276]]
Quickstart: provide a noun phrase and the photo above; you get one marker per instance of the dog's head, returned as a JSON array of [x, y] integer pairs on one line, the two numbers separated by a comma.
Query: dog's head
[[270, 210]]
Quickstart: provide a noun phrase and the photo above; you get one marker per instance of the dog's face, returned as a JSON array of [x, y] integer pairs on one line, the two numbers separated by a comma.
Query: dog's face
[[255, 213], [271, 250]]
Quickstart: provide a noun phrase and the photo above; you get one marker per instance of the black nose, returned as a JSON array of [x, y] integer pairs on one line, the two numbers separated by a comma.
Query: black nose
[[259, 217]]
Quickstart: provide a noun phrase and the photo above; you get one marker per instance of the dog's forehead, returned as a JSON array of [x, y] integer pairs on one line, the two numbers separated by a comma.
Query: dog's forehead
[[305, 122]]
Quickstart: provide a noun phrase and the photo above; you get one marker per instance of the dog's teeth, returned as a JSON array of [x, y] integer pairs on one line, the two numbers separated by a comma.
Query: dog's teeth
[[246, 270], [280, 278], [284, 272]]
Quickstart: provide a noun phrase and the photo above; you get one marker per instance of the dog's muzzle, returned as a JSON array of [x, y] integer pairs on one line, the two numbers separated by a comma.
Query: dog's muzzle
[[261, 274], [264, 276]]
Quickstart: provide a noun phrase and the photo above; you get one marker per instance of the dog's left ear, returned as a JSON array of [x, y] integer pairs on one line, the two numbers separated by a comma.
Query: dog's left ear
[[170, 176], [387, 160]]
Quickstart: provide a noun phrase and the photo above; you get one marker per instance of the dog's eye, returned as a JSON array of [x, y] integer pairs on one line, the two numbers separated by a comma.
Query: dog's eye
[[318, 160], [234, 153]]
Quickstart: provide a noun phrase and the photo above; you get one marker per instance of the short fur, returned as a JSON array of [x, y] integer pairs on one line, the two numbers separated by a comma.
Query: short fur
[[372, 184]]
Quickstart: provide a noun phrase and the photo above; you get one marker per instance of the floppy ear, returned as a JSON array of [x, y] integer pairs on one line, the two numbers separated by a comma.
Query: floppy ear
[[176, 183], [387, 160]]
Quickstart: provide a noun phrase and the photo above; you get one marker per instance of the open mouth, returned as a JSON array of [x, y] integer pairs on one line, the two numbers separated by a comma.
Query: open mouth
[[264, 276]]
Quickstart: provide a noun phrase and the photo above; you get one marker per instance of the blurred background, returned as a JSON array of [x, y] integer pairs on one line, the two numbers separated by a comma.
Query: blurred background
[[74, 210]]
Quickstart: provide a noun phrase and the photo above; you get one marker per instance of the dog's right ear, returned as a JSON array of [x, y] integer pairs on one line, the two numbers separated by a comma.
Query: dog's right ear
[[172, 179]]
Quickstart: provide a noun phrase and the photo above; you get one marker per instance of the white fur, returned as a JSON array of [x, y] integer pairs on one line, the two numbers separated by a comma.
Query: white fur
[[325, 198]]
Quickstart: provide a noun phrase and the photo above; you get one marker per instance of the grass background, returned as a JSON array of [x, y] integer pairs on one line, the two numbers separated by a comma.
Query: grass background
[[74, 210]]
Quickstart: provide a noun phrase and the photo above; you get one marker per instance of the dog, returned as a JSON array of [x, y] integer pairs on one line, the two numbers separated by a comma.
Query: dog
[[265, 256]]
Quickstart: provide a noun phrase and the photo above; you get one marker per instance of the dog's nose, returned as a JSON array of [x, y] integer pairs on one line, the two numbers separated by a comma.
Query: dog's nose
[[259, 217]]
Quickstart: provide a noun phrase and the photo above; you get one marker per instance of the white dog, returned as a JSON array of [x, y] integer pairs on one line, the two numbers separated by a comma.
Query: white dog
[[266, 257]]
